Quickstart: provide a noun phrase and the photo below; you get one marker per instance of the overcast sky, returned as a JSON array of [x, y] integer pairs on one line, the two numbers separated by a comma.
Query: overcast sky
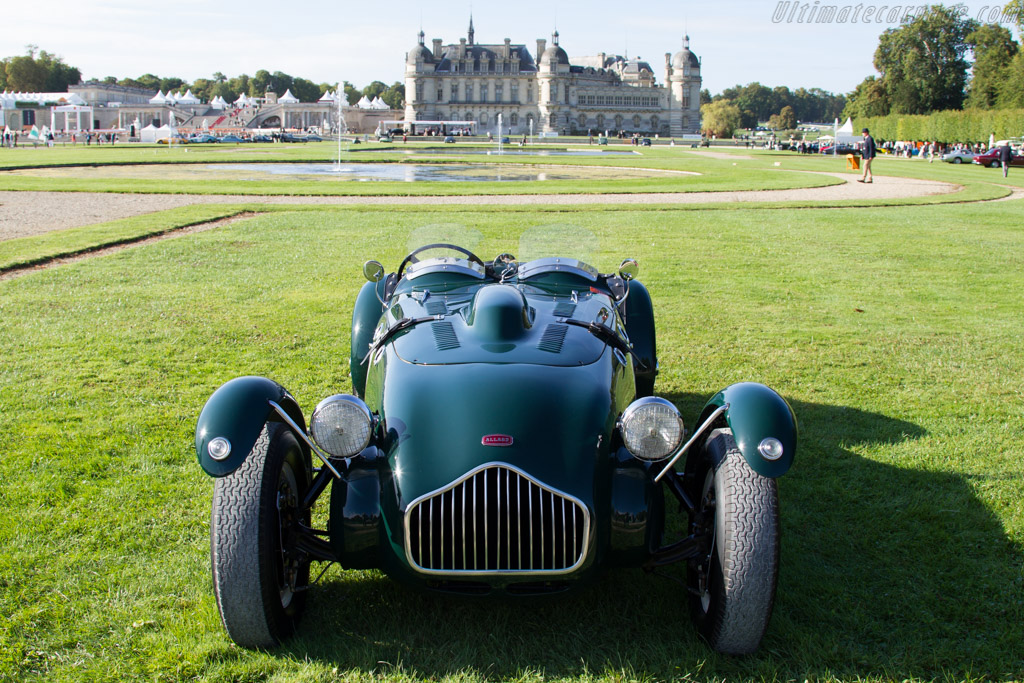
[[739, 41]]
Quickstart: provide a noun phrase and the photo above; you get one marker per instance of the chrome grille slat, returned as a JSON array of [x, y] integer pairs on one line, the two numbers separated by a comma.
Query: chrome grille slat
[[554, 539]]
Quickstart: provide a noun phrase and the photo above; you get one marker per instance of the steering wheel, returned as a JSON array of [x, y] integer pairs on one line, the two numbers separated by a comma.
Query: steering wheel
[[411, 258]]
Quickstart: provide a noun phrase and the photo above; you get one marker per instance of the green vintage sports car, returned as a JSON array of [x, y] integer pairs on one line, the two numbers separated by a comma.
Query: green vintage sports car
[[502, 439]]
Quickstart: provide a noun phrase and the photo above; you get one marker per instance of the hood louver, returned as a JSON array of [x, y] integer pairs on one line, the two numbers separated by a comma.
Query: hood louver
[[551, 340], [444, 336]]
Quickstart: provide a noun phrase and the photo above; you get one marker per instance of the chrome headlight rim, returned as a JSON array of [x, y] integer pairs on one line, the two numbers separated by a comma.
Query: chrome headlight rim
[[631, 440], [357, 409]]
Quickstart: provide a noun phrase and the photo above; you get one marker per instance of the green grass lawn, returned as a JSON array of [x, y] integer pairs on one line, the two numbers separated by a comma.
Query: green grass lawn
[[895, 333]]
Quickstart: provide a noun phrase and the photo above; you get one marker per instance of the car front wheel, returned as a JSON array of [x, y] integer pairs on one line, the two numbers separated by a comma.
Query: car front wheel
[[957, 160], [733, 588], [258, 574], [994, 164]]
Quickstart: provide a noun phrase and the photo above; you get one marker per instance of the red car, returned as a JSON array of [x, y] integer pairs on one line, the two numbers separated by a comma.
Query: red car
[[991, 159]]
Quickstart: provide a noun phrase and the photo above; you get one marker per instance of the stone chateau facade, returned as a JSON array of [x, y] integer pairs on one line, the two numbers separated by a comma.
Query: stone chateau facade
[[549, 92]]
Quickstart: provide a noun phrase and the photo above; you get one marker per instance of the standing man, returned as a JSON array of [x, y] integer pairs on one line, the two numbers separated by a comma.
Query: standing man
[[1005, 155], [867, 155]]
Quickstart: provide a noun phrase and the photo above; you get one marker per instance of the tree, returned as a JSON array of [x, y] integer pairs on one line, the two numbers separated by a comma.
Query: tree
[[868, 99], [994, 50], [374, 90], [306, 91], [394, 96], [25, 74], [787, 118], [351, 94], [705, 97], [720, 118], [260, 83], [1011, 91], [43, 73], [923, 63]]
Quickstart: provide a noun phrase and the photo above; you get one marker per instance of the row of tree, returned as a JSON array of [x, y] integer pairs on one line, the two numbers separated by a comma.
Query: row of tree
[[37, 71], [40, 71], [943, 60]]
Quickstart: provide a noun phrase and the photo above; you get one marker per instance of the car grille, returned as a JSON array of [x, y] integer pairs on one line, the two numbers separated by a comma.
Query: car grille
[[496, 520]]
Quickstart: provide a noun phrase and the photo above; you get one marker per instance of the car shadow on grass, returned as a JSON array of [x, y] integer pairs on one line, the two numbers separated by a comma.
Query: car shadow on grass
[[886, 571]]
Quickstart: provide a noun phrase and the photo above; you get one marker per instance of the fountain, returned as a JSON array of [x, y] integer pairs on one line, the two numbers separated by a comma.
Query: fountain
[[341, 127], [530, 121], [500, 148]]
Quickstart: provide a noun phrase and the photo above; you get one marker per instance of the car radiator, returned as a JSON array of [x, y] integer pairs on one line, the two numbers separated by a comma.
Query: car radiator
[[496, 519]]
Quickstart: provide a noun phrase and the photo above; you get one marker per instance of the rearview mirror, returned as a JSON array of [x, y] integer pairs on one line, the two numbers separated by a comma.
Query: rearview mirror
[[374, 271], [628, 269]]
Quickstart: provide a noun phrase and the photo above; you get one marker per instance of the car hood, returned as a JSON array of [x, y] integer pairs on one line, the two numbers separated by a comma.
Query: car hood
[[500, 323], [550, 422]]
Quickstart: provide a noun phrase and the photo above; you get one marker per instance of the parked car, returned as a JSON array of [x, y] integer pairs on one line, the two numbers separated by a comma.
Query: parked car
[[502, 438], [645, 142], [202, 138], [449, 138], [231, 138], [991, 159], [958, 156]]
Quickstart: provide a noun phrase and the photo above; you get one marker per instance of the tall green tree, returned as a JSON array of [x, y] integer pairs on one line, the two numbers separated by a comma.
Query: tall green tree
[[42, 72], [394, 96], [994, 49], [1011, 90], [923, 63], [868, 99], [374, 89], [306, 91], [720, 118]]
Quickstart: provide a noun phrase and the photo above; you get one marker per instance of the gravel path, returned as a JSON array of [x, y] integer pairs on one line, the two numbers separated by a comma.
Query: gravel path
[[30, 213]]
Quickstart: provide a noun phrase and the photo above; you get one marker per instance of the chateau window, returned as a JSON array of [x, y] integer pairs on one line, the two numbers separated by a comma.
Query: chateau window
[[499, 90], [419, 92], [483, 92], [529, 94], [440, 93], [515, 92], [636, 120], [582, 120], [515, 119], [483, 119]]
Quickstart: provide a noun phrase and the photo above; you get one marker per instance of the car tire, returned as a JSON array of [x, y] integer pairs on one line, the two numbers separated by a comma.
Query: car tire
[[957, 160], [733, 590], [994, 164], [259, 606]]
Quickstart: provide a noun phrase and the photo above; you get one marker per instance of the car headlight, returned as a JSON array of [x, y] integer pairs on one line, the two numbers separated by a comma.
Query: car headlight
[[651, 428], [341, 425]]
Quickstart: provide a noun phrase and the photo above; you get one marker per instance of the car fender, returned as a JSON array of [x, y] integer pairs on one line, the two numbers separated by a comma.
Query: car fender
[[237, 412], [365, 316], [638, 316], [754, 413]]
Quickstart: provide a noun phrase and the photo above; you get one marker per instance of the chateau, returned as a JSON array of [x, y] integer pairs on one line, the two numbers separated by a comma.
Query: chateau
[[550, 93]]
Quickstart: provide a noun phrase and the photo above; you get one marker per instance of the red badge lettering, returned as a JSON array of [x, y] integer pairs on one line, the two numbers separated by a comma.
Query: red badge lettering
[[497, 440]]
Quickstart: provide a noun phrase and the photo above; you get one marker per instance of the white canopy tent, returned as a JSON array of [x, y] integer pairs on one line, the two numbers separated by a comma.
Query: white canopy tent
[[67, 110], [288, 98]]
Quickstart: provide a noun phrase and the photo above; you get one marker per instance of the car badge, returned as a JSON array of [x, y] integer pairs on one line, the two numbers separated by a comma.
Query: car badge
[[496, 440]]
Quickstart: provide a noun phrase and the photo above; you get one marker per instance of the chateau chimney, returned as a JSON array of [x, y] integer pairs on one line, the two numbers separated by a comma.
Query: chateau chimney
[[542, 44], [437, 48]]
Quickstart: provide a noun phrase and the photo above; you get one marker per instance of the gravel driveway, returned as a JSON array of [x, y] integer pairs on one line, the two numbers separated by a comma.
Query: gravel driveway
[[30, 213]]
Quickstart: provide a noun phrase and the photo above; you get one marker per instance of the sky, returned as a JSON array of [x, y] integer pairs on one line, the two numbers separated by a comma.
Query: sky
[[774, 42]]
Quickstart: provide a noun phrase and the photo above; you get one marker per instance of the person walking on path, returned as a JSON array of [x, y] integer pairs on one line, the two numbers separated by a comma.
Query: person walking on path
[[867, 155], [1005, 155]]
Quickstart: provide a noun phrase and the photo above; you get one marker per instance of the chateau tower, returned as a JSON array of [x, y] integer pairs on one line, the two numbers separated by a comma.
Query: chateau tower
[[682, 73]]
